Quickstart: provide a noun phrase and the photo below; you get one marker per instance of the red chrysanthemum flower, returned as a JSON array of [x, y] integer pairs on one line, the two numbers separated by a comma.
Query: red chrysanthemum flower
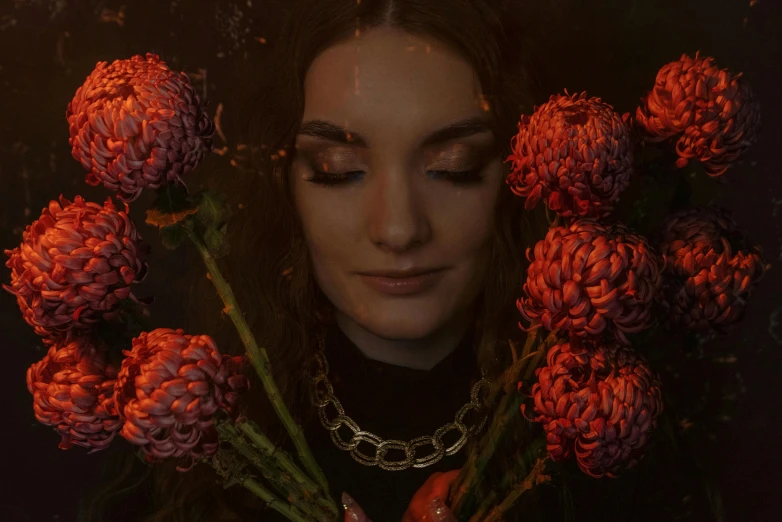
[[714, 113], [168, 390], [574, 153], [76, 262], [589, 277], [598, 402], [710, 270], [136, 123], [73, 390]]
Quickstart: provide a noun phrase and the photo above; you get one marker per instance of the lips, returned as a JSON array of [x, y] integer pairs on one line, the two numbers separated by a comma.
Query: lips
[[400, 274], [403, 285]]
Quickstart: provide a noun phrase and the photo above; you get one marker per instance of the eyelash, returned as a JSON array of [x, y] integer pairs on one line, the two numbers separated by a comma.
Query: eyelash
[[458, 178]]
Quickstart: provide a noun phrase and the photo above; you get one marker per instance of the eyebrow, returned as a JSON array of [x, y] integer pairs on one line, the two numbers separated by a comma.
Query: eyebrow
[[333, 132]]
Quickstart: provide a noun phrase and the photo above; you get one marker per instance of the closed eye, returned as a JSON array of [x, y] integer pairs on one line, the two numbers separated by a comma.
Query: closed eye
[[458, 178]]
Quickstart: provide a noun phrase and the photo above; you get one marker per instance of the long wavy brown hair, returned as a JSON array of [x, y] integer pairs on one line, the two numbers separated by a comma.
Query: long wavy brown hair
[[265, 235]]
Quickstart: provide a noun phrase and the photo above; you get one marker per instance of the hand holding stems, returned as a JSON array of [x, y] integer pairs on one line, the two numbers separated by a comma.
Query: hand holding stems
[[427, 505]]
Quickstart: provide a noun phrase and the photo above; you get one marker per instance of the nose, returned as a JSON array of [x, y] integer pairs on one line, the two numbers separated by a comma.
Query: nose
[[397, 217]]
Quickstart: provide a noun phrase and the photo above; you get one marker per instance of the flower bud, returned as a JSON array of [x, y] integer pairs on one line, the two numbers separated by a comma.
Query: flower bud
[[136, 124], [598, 401], [168, 390], [73, 390], [75, 264], [712, 112], [711, 270], [574, 153], [589, 278]]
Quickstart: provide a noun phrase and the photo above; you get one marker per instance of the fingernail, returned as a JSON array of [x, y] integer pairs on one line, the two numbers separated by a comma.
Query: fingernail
[[347, 500], [438, 510], [351, 508]]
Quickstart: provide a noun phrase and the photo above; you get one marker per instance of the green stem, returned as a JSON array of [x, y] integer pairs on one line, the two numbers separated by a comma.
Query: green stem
[[487, 503], [529, 341], [549, 215], [504, 383], [274, 502], [259, 359], [465, 488], [467, 491], [289, 489], [534, 477], [543, 349], [260, 441], [511, 376], [509, 478]]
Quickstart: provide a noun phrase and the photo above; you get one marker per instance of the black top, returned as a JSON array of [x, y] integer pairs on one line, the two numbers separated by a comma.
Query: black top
[[393, 402]]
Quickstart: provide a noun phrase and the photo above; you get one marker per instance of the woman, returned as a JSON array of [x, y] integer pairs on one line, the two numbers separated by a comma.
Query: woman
[[397, 171], [380, 131], [393, 146]]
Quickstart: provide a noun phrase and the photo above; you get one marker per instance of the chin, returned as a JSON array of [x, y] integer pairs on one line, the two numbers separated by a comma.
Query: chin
[[402, 321], [402, 332]]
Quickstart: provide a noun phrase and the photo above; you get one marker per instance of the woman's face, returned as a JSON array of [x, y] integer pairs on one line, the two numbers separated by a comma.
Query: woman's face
[[377, 114]]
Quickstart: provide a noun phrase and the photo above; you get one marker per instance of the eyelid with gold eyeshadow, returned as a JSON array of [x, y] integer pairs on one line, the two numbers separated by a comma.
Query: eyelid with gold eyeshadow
[[329, 176], [457, 177]]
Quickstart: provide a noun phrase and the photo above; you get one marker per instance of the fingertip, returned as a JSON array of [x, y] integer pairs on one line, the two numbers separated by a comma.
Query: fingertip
[[452, 474], [353, 512], [439, 512]]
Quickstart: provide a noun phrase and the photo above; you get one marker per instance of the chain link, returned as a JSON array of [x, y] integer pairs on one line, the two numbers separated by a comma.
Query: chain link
[[322, 394]]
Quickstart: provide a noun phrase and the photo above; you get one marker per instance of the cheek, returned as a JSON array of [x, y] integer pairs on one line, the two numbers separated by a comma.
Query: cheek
[[468, 228], [329, 232], [470, 240], [328, 249]]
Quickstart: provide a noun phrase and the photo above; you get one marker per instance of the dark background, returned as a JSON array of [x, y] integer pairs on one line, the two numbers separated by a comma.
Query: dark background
[[611, 49]]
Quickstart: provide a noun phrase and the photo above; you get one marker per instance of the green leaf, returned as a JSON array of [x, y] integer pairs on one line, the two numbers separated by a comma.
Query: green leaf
[[171, 237], [213, 211], [216, 241]]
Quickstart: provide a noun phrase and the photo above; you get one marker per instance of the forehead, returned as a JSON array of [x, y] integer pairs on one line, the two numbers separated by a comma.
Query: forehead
[[386, 81]]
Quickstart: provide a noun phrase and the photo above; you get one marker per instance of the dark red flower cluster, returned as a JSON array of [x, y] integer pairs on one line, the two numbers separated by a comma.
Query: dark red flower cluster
[[136, 123], [133, 124], [168, 390], [75, 264], [574, 153], [589, 278], [598, 401], [710, 270], [73, 390], [713, 112]]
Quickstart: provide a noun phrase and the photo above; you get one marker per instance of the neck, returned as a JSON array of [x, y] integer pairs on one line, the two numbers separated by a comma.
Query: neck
[[420, 353]]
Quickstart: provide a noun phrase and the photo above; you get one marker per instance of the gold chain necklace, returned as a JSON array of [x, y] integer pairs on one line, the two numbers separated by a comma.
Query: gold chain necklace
[[322, 397]]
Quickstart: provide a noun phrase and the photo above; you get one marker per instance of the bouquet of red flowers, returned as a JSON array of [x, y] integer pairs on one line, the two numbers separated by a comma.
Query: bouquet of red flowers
[[592, 282], [581, 392]]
